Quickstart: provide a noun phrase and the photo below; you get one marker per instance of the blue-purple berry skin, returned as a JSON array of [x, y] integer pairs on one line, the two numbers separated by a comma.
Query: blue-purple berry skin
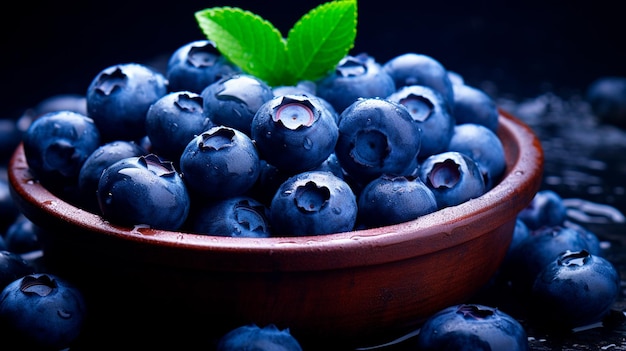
[[419, 69], [42, 312], [119, 97], [473, 105], [173, 120], [219, 163], [545, 209], [376, 136], [313, 203], [389, 200], [574, 290], [453, 177], [195, 65], [233, 100], [104, 156], [143, 191], [429, 110], [355, 77], [472, 327], [253, 337], [483, 146], [236, 216], [295, 133]]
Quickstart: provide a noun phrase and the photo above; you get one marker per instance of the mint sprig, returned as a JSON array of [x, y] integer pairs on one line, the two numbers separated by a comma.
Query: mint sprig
[[313, 47]]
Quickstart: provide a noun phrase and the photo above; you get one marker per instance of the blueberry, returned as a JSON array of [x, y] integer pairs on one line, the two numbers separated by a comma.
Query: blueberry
[[173, 120], [104, 156], [270, 178], [453, 177], [237, 216], [313, 203], [430, 112], [592, 240], [456, 77], [331, 164], [355, 77], [376, 136], [483, 146], [143, 191], [540, 248], [253, 337], [574, 290], [607, 97], [8, 207], [12, 267], [545, 209], [520, 233], [419, 69], [118, 99], [389, 200], [22, 236], [219, 163], [233, 100], [57, 144], [195, 65], [295, 133], [41, 312], [473, 105], [472, 327]]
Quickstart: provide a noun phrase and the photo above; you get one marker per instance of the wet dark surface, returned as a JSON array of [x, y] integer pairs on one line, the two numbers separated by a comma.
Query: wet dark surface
[[536, 58]]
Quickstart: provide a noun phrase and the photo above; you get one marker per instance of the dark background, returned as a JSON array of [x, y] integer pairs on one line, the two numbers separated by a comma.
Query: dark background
[[525, 48]]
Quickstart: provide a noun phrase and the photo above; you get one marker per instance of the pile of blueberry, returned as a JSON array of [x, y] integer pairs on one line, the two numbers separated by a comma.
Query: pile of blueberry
[[208, 149], [205, 138]]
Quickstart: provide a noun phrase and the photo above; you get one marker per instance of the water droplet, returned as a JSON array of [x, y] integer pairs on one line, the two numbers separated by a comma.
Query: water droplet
[[64, 314], [307, 144]]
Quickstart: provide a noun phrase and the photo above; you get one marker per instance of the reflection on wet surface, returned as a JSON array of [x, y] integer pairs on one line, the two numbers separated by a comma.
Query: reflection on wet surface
[[585, 164], [584, 158]]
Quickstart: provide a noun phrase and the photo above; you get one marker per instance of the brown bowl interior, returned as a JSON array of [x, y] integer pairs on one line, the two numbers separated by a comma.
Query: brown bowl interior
[[359, 287]]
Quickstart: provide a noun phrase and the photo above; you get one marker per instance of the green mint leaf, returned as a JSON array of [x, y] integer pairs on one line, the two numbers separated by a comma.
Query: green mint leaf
[[321, 38], [247, 40]]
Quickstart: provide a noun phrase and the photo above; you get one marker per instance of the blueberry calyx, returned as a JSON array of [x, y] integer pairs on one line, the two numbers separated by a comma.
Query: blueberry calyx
[[474, 312], [203, 56], [574, 258], [294, 113], [189, 103], [42, 285], [248, 216], [419, 107], [371, 148], [351, 66], [311, 198], [217, 138], [157, 166], [108, 82], [444, 174]]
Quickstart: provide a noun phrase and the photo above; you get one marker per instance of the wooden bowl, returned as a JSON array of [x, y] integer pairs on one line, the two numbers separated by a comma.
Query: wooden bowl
[[155, 287]]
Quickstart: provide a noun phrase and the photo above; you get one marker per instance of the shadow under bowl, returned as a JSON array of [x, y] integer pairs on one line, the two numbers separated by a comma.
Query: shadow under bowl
[[155, 287]]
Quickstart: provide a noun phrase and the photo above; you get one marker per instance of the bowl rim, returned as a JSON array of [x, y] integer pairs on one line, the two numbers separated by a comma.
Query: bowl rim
[[436, 231]]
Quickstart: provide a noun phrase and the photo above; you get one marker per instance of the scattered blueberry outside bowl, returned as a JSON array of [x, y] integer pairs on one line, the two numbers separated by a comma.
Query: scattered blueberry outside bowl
[[358, 288]]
